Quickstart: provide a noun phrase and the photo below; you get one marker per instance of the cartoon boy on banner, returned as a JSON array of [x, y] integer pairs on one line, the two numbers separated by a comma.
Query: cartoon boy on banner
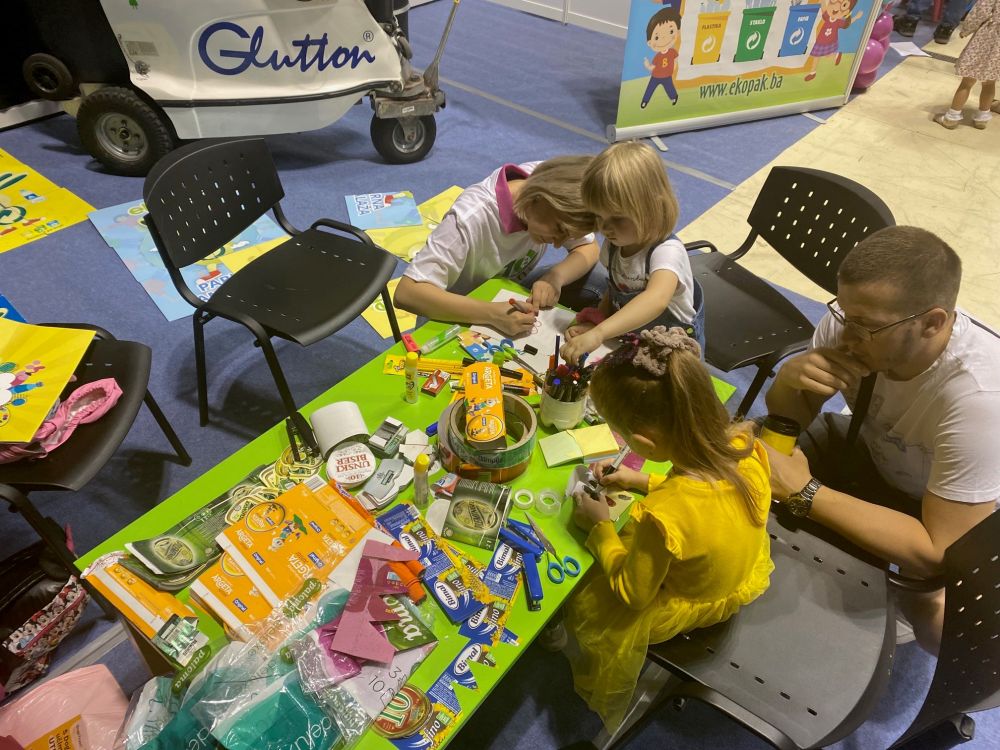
[[663, 35]]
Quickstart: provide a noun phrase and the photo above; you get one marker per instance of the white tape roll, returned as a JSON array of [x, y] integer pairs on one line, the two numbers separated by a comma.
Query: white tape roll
[[338, 423], [524, 499], [548, 503]]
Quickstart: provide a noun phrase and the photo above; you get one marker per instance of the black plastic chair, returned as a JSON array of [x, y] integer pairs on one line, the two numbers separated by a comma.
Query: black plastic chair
[[800, 667], [205, 193], [72, 465], [812, 218], [967, 675]]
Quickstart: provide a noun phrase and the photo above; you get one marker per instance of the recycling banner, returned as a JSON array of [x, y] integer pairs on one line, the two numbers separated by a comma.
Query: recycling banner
[[700, 63]]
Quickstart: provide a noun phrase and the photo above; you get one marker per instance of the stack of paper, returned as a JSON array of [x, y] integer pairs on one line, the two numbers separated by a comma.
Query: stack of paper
[[587, 444]]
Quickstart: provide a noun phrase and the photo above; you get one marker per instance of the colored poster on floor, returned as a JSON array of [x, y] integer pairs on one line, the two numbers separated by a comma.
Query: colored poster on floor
[[31, 206], [123, 228], [692, 64]]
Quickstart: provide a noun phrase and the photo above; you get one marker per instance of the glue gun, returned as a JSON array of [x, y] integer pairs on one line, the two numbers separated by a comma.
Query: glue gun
[[530, 553]]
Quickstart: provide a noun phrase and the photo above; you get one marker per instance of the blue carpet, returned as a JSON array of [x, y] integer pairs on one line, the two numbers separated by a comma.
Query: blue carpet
[[564, 72]]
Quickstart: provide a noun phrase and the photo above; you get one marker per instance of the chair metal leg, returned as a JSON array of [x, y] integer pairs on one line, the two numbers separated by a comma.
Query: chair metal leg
[[391, 312], [199, 319], [763, 373], [651, 693], [50, 532], [299, 423], [167, 429]]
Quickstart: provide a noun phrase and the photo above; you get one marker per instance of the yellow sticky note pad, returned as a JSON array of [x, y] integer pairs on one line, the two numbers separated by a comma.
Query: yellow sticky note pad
[[595, 442]]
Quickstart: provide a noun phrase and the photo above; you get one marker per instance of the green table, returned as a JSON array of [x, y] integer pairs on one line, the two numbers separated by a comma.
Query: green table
[[379, 396]]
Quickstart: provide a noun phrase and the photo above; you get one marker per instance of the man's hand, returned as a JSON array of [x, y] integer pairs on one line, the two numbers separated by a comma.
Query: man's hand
[[822, 371], [545, 293], [589, 511], [624, 477], [509, 320], [580, 342], [789, 474]]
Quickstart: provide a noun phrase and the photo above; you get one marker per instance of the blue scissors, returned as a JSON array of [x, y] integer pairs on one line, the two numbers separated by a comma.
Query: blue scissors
[[557, 569]]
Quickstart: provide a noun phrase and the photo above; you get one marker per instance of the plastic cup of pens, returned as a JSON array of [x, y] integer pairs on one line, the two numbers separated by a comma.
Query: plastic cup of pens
[[562, 415], [564, 397]]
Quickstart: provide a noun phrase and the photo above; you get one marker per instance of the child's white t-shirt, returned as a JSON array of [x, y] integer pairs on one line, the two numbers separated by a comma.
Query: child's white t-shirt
[[480, 237], [940, 430], [670, 255]]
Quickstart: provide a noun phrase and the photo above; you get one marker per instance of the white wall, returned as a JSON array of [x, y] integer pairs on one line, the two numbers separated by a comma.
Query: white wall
[[607, 16]]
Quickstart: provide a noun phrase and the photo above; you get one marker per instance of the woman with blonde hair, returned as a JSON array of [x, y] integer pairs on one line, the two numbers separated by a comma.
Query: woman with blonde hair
[[696, 547], [502, 226]]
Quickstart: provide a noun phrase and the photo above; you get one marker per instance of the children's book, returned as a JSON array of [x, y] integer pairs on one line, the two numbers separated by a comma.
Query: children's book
[[588, 444], [123, 228], [383, 210], [549, 324], [31, 206], [36, 363], [406, 242], [8, 311]]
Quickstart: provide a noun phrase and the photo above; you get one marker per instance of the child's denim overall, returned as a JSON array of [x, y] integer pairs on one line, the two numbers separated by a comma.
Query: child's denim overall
[[619, 298]]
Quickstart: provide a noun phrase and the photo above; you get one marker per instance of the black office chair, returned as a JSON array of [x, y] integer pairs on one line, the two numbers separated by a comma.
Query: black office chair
[[205, 193], [72, 465], [812, 218], [800, 667], [967, 675]]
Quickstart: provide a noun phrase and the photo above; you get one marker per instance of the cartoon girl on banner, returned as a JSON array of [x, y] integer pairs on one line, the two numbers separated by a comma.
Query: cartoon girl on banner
[[663, 35], [836, 16]]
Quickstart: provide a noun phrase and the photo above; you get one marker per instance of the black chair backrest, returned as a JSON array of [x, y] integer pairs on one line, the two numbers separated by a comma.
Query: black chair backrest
[[203, 194], [813, 218], [967, 676]]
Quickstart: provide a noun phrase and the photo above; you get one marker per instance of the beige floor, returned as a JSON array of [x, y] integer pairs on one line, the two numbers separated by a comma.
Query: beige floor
[[945, 181]]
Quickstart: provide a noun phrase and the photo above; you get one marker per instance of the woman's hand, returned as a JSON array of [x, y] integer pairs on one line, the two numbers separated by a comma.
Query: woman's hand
[[589, 511], [624, 477], [545, 292], [509, 320]]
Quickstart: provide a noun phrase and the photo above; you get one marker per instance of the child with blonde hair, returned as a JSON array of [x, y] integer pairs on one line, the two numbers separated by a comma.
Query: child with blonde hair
[[650, 278], [979, 61], [696, 548], [501, 226]]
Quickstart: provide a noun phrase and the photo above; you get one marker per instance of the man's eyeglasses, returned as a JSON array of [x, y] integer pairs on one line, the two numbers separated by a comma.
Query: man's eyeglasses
[[863, 333]]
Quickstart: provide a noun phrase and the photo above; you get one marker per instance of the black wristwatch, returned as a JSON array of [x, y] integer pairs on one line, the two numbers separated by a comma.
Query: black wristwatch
[[800, 503]]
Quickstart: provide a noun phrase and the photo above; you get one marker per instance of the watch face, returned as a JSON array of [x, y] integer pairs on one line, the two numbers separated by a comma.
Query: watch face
[[798, 506]]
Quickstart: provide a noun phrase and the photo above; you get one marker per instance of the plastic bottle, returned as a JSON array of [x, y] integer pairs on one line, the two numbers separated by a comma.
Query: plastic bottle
[[410, 369], [421, 490]]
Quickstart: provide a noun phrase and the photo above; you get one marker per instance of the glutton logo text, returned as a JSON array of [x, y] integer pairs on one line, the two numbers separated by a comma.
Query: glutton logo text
[[229, 49]]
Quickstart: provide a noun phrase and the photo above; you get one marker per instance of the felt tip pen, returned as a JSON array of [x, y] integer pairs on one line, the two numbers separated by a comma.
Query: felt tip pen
[[440, 340]]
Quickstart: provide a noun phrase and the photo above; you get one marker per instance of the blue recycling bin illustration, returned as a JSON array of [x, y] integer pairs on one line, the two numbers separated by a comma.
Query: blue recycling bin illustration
[[798, 30]]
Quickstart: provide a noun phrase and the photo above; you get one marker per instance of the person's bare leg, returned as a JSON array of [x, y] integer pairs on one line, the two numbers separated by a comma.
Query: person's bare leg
[[925, 613], [962, 93]]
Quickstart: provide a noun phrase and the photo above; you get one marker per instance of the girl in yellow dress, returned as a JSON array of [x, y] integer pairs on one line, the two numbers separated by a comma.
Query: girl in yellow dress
[[696, 548]]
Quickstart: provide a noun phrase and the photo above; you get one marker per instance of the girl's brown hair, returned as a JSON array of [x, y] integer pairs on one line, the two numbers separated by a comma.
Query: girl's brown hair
[[556, 183], [656, 383], [628, 179]]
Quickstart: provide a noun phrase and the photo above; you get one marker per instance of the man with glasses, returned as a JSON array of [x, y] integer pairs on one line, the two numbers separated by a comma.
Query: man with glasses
[[926, 465]]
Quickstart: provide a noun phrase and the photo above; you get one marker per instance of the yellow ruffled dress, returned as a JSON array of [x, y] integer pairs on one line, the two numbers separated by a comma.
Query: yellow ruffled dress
[[689, 558]]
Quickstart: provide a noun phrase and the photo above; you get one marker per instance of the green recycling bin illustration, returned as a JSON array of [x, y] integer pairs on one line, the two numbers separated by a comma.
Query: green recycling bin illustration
[[753, 32]]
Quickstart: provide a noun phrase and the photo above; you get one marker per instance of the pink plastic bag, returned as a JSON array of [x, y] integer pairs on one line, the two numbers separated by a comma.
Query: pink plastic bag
[[90, 693]]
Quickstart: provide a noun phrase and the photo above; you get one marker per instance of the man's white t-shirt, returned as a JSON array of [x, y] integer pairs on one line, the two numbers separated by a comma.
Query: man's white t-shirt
[[670, 255], [940, 431], [480, 237]]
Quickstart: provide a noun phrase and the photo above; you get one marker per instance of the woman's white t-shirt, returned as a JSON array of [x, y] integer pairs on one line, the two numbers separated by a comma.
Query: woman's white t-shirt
[[480, 237]]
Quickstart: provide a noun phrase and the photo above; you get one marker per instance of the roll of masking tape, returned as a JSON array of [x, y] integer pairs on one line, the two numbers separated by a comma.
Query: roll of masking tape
[[548, 503], [338, 423], [524, 499], [493, 465]]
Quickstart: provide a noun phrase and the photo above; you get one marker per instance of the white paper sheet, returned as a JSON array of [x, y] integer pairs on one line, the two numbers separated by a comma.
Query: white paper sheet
[[551, 323]]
